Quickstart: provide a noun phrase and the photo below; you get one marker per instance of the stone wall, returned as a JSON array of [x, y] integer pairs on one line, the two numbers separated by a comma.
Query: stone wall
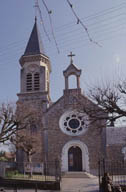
[[57, 139]]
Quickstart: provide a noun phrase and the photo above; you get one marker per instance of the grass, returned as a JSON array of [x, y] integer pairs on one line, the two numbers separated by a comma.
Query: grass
[[16, 175]]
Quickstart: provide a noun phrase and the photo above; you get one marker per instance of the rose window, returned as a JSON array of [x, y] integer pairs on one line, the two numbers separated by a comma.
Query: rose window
[[74, 123]]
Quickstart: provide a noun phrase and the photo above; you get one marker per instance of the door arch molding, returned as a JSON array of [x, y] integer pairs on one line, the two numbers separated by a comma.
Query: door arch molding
[[85, 155]]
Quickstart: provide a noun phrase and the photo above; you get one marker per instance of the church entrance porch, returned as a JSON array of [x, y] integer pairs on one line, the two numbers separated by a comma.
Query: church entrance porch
[[74, 159]]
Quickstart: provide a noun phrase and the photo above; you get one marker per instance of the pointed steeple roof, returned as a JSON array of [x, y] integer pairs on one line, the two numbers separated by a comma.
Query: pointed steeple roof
[[34, 45]]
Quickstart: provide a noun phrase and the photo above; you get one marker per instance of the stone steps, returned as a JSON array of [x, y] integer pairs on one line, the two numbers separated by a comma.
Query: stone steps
[[77, 175]]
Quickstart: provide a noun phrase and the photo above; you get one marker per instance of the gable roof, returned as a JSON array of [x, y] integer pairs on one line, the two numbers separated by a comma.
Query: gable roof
[[81, 99], [34, 45], [72, 69]]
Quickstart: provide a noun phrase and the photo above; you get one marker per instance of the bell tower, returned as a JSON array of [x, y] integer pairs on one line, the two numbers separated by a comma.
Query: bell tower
[[35, 71], [72, 70]]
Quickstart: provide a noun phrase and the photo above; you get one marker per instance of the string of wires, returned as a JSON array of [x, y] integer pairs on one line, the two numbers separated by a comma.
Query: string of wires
[[82, 24], [41, 18], [50, 20], [97, 15], [64, 47], [52, 30], [106, 20]]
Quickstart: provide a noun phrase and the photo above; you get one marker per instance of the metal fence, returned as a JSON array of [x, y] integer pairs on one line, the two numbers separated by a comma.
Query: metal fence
[[39, 171], [116, 170]]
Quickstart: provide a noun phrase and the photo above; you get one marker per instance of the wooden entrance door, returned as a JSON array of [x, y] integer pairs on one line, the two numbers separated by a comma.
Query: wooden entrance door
[[74, 159]]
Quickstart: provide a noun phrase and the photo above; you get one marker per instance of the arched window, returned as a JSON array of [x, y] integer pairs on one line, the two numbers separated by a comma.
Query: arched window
[[36, 82], [29, 82], [72, 82]]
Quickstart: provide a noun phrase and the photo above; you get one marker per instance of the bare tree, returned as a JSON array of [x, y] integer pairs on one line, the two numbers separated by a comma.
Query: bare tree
[[13, 119], [8, 122], [111, 100], [26, 142]]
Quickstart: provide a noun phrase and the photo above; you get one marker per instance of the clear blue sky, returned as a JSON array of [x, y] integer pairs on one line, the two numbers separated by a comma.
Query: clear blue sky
[[106, 23]]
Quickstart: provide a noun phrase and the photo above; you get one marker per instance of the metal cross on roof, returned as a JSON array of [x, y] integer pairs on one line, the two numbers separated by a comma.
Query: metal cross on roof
[[71, 55]]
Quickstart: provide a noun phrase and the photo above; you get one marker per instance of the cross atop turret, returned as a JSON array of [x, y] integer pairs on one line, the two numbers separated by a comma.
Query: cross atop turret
[[71, 55]]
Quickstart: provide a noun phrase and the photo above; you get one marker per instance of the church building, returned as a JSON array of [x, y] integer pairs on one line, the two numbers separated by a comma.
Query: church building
[[65, 130]]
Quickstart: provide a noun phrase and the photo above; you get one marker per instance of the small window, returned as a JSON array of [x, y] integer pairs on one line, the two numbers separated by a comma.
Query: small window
[[29, 82], [36, 82]]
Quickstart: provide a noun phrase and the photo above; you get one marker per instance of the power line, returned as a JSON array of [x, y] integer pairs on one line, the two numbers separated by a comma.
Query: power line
[[42, 21], [81, 39], [50, 20], [63, 39], [85, 40], [80, 33], [115, 9], [79, 42], [79, 21], [95, 15], [91, 26], [85, 43], [66, 42]]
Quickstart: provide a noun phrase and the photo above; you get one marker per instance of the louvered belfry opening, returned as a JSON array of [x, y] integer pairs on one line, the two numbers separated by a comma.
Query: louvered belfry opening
[[29, 82], [36, 82]]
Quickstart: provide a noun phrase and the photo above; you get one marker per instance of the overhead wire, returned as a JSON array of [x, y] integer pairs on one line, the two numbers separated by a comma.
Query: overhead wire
[[98, 33], [91, 26], [83, 25], [94, 16], [41, 18], [74, 41], [85, 43], [64, 48], [65, 42], [79, 41], [102, 20], [105, 27], [50, 20], [116, 8], [114, 17]]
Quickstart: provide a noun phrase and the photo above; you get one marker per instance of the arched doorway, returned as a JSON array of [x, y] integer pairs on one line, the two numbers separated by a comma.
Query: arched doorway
[[74, 159], [65, 153]]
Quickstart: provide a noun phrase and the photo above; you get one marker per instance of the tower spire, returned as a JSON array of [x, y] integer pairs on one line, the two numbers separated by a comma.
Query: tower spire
[[35, 19], [34, 45]]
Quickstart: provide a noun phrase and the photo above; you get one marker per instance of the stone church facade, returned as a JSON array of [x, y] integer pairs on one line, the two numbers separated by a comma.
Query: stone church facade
[[64, 128]]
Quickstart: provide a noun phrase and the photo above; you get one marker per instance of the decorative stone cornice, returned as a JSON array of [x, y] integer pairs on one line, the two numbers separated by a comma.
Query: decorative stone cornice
[[34, 95], [72, 91], [32, 58]]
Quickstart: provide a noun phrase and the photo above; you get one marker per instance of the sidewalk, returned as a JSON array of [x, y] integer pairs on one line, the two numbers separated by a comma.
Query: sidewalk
[[79, 185]]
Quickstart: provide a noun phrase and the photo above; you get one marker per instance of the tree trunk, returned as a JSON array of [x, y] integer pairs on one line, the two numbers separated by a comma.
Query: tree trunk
[[29, 159]]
